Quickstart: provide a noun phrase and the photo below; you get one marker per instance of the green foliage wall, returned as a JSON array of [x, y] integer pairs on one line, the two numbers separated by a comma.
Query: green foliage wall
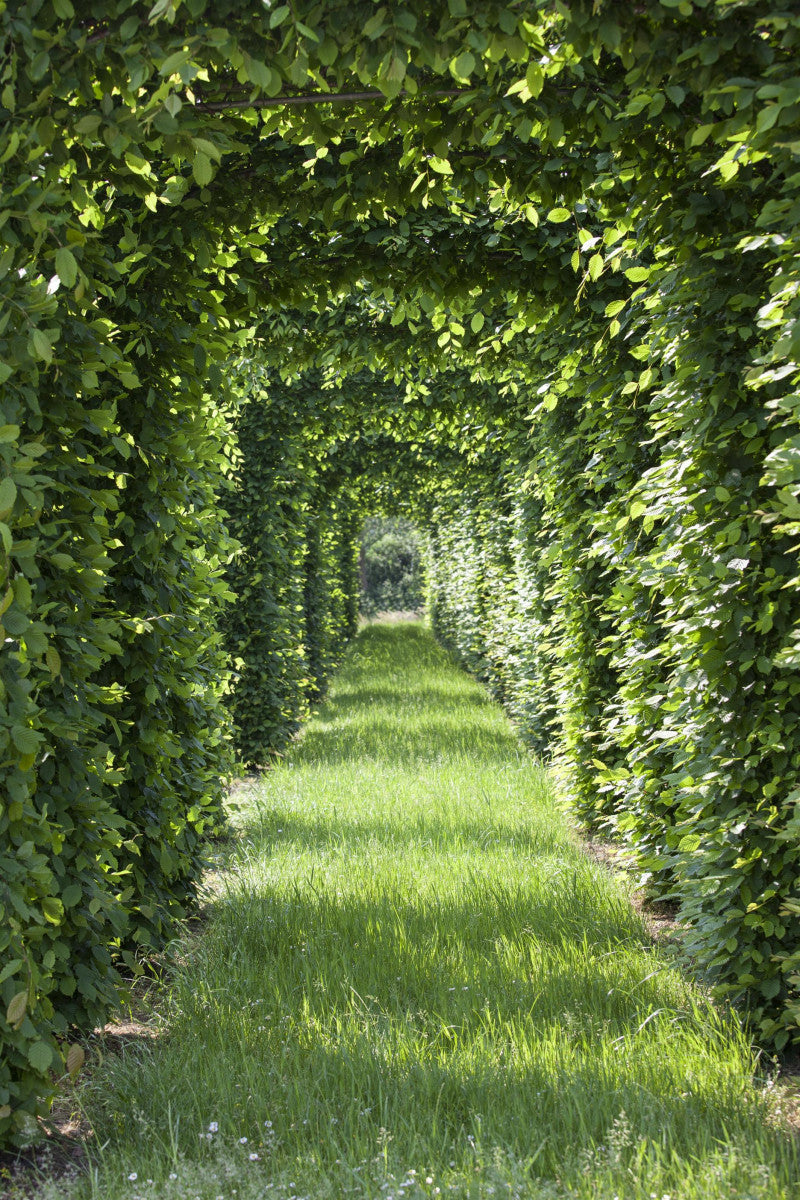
[[294, 575], [648, 633], [111, 779], [330, 595], [61, 833], [165, 581], [268, 515]]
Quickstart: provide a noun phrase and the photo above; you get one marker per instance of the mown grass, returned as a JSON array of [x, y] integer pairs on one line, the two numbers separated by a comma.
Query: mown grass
[[413, 982]]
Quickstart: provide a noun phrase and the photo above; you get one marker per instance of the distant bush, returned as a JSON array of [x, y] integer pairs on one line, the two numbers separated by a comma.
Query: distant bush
[[392, 576]]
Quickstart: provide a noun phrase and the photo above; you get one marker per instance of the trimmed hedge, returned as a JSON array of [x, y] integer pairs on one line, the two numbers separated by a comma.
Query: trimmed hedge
[[660, 611], [295, 574], [111, 780]]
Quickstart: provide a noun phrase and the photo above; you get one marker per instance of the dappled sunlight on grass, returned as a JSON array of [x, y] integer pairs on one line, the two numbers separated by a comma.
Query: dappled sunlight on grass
[[414, 973]]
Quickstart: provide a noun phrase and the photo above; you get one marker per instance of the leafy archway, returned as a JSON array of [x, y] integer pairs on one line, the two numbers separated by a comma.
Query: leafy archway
[[532, 222]]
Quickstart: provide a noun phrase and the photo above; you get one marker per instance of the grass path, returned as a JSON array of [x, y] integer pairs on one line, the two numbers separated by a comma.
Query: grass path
[[414, 983]]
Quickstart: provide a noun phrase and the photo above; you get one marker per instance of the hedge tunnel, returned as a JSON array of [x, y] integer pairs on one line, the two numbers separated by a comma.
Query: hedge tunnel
[[527, 271]]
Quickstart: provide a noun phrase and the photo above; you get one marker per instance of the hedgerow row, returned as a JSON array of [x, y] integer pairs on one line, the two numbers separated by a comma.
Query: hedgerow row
[[623, 586]]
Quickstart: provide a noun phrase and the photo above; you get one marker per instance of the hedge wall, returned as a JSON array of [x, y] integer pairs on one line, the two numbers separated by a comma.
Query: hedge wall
[[112, 779], [638, 613], [295, 573]]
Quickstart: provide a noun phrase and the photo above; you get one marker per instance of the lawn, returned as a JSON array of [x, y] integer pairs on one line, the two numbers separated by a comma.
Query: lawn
[[413, 981]]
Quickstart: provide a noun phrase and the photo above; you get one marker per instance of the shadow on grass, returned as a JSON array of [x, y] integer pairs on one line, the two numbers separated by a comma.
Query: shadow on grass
[[269, 829], [525, 1017], [406, 951], [351, 699]]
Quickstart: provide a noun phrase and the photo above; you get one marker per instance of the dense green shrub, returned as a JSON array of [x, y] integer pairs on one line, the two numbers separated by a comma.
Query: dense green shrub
[[267, 505], [60, 832], [392, 577], [111, 782]]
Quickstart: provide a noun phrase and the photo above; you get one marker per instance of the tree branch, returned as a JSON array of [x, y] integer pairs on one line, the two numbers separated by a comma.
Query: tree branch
[[315, 98]]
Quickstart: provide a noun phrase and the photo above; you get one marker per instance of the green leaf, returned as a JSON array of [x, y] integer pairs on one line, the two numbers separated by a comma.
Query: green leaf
[[637, 274], [25, 739], [18, 1006], [259, 73], [40, 64], [595, 266], [210, 149], [767, 117], [66, 266], [41, 345], [699, 135], [375, 24], [395, 74], [307, 32], [71, 895], [559, 215], [534, 78], [137, 164], [8, 495], [477, 322], [63, 562], [202, 169], [53, 910], [463, 66], [10, 968], [174, 62], [278, 15], [40, 1056], [89, 124]]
